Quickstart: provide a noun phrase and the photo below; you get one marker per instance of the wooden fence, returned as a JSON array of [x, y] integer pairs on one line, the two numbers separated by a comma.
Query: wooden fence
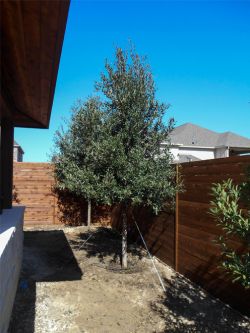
[[33, 184], [197, 256], [183, 239], [34, 188]]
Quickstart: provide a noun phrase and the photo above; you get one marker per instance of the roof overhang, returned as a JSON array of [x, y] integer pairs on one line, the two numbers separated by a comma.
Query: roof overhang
[[32, 35], [171, 144], [190, 146], [240, 150]]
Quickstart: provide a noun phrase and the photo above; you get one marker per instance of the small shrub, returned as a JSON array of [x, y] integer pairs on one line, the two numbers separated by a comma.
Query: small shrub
[[234, 222]]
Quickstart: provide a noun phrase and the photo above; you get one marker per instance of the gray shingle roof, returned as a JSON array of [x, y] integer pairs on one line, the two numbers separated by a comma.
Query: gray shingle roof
[[232, 140], [192, 135]]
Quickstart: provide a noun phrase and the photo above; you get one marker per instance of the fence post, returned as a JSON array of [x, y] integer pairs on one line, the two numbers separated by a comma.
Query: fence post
[[54, 210], [176, 245]]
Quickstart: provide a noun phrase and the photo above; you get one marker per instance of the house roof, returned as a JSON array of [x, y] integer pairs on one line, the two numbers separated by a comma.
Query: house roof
[[192, 135]]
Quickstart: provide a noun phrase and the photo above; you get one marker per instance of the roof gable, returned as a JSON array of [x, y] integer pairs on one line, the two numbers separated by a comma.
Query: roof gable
[[232, 140], [192, 135]]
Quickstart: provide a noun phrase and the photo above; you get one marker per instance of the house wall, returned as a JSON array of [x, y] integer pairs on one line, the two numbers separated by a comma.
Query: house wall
[[17, 155], [201, 153], [20, 156], [11, 248], [175, 152], [221, 152]]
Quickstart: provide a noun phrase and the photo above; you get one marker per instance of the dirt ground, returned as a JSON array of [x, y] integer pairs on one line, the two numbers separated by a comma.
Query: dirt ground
[[71, 281]]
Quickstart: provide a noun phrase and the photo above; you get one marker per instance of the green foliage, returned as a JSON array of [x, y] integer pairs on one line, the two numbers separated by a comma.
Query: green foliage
[[137, 171], [245, 189], [234, 222], [74, 166], [111, 150]]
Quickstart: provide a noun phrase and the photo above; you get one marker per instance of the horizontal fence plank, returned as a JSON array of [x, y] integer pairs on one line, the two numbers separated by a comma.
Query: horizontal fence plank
[[33, 187]]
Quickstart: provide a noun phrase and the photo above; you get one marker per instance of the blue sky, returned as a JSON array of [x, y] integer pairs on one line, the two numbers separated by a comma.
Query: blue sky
[[199, 53]]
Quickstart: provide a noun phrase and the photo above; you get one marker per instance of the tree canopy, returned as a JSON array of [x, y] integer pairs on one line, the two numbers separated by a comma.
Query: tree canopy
[[138, 171], [75, 170], [112, 151]]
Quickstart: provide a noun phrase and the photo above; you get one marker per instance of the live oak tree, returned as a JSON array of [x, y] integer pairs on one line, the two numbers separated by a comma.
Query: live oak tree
[[111, 151], [137, 171], [74, 161]]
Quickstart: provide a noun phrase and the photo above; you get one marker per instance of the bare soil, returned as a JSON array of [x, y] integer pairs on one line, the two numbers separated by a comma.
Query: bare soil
[[71, 281]]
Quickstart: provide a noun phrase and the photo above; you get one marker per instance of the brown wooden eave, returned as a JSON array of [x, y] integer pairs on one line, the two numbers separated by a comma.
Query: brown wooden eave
[[32, 35]]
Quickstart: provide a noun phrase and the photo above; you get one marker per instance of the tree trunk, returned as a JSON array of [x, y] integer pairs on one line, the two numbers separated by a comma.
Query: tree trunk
[[124, 238], [89, 214]]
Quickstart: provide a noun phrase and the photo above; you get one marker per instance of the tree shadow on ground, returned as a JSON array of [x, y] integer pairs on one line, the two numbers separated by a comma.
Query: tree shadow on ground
[[47, 257], [104, 244], [157, 230], [187, 308]]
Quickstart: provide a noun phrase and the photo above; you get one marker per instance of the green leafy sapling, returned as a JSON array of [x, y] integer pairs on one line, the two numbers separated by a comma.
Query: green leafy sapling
[[234, 221]]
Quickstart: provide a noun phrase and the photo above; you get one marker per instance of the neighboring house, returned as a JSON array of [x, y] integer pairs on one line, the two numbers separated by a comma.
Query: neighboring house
[[190, 142], [17, 152]]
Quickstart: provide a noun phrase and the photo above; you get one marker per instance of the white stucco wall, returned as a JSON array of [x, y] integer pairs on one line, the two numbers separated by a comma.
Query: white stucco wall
[[17, 154], [11, 249], [201, 153], [174, 152], [221, 152]]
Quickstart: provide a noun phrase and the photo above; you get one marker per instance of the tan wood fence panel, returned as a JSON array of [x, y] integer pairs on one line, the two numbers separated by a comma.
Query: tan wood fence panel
[[198, 255], [33, 183], [185, 239], [33, 188]]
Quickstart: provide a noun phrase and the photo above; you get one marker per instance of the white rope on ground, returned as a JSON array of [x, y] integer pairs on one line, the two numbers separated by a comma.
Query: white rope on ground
[[79, 248], [150, 256]]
